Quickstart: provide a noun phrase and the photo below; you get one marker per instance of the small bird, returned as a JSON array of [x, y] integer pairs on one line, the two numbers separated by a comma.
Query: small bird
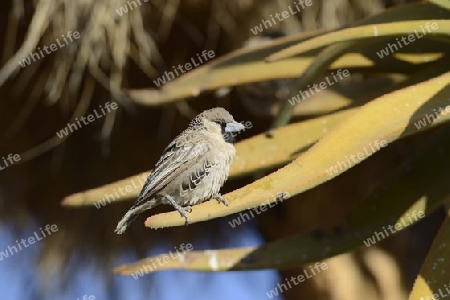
[[192, 169]]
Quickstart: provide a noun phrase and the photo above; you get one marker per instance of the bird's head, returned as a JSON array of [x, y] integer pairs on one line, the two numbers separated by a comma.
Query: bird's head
[[218, 120]]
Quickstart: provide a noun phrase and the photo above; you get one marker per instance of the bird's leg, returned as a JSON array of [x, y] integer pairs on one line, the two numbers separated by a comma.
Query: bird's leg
[[182, 210], [221, 199]]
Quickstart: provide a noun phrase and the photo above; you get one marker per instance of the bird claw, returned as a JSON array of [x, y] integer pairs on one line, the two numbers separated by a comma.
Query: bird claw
[[186, 223], [184, 213], [182, 210], [221, 199]]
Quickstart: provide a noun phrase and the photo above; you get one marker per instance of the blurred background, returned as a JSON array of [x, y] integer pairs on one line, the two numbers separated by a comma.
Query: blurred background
[[119, 52]]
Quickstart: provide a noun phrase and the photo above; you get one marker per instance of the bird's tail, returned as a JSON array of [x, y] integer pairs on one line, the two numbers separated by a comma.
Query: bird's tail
[[132, 214]]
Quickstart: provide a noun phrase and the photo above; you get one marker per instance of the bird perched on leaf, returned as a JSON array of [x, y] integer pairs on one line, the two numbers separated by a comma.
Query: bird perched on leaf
[[192, 169]]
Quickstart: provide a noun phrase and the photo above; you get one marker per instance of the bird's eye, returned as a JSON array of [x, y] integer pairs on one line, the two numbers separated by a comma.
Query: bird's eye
[[221, 123]]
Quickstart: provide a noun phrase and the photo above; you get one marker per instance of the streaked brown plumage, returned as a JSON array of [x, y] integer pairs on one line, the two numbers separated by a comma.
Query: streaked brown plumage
[[192, 169]]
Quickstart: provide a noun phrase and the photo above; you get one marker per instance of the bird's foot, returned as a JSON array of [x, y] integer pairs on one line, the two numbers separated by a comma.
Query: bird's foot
[[182, 210], [221, 199]]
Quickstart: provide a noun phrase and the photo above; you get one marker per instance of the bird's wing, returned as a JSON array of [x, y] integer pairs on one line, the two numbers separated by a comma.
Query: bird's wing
[[179, 156], [200, 172]]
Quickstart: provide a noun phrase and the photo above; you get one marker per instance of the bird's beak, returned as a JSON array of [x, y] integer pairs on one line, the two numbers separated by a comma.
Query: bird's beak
[[234, 127]]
